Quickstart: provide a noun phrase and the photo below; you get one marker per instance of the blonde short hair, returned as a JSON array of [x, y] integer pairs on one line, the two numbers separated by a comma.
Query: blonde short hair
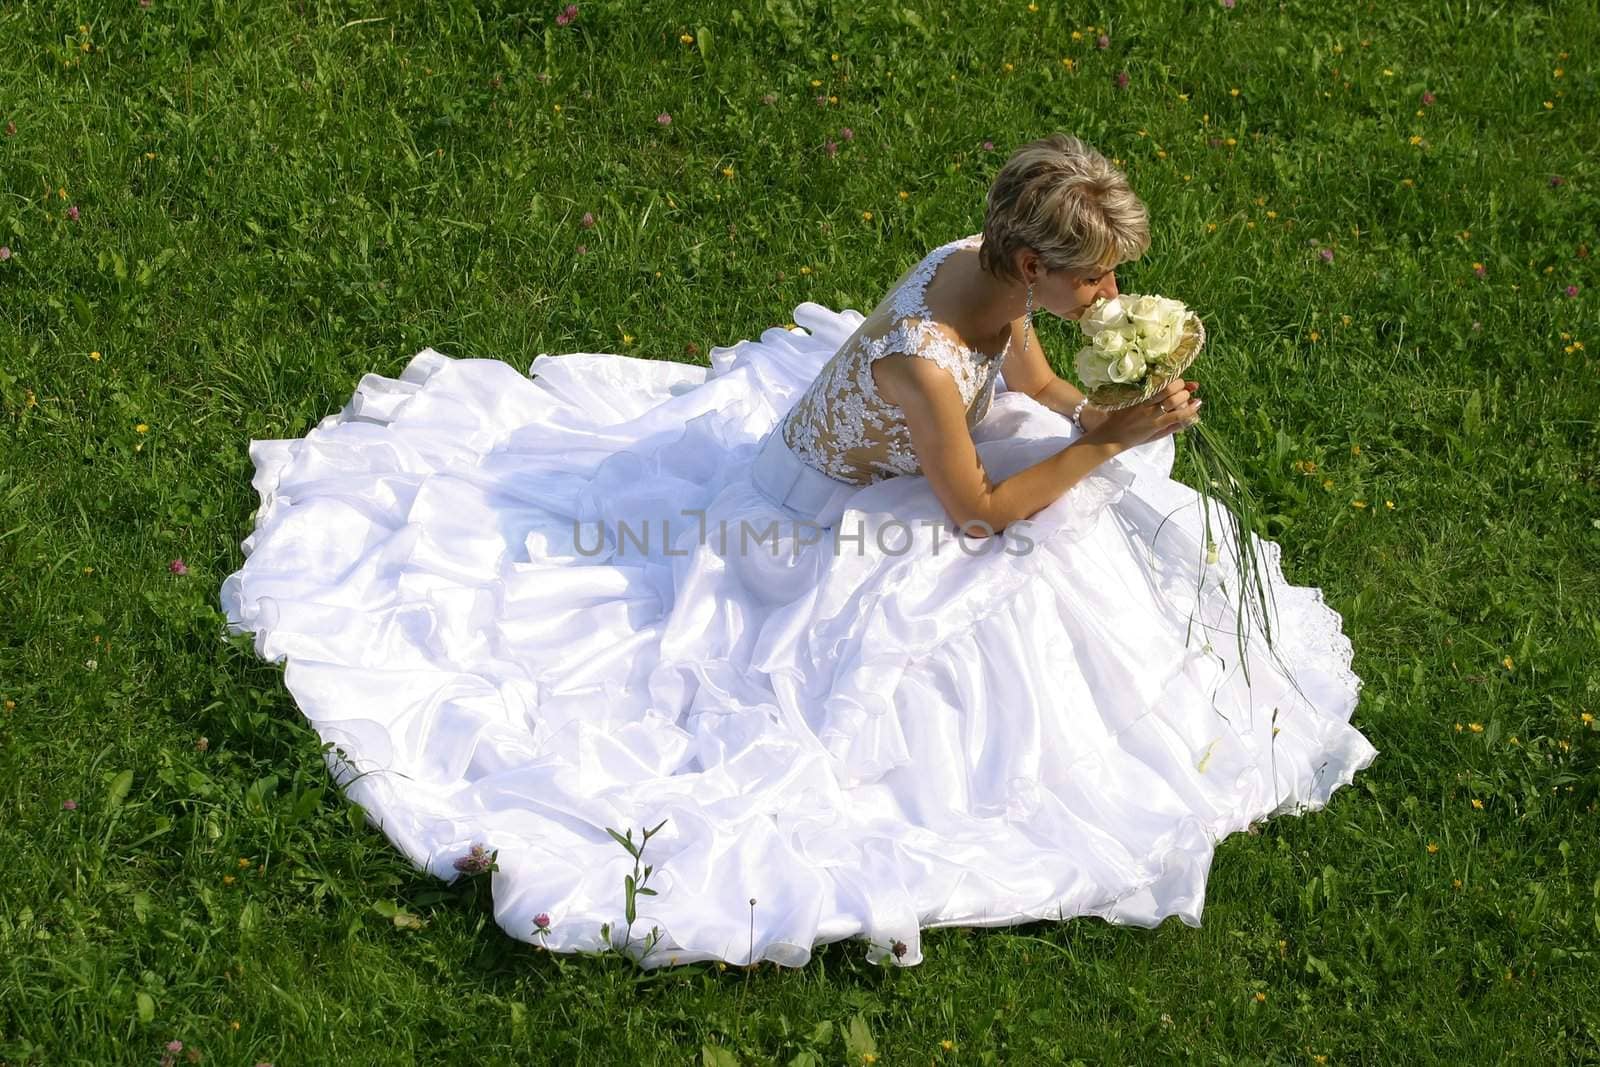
[[1065, 201]]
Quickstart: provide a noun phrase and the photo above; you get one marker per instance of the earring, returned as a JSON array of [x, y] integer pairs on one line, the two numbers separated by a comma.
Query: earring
[[1027, 318]]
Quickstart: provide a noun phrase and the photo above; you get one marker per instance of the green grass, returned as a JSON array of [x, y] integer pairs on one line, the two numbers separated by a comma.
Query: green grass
[[278, 197]]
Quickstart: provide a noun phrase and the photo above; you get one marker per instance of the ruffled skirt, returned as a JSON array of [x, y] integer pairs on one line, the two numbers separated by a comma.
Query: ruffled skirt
[[527, 609]]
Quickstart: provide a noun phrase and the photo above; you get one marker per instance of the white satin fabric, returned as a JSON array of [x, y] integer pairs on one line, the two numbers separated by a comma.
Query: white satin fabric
[[872, 731]]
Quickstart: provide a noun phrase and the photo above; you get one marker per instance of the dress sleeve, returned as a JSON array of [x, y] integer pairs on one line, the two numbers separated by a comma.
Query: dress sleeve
[[918, 337]]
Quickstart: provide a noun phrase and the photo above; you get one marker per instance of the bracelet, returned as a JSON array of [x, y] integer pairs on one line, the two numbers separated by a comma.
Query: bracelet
[[1076, 421]]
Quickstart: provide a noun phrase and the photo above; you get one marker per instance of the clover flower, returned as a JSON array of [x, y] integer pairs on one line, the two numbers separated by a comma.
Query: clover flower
[[476, 861]]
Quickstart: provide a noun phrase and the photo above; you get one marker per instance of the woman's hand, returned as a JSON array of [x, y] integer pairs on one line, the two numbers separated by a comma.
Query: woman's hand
[[1147, 421]]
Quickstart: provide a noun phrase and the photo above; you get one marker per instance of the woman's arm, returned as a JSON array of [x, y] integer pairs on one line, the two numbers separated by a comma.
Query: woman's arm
[[1028, 371], [936, 417]]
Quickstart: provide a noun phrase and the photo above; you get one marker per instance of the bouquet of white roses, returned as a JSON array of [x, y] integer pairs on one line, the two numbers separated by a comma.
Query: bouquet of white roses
[[1139, 344]]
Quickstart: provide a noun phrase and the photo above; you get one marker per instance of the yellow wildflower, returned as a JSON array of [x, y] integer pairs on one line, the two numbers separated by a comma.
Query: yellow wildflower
[[904, 195], [141, 428], [1585, 718], [805, 270], [95, 356], [1432, 848], [1327, 483], [1344, 319], [1230, 141], [627, 338], [815, 84], [1548, 105], [1455, 883], [727, 172], [1233, 92], [1477, 804], [1475, 727], [1507, 663], [1315, 336], [557, 106], [867, 215], [1458, 728], [1261, 998], [1416, 138], [1033, 7], [1272, 214], [1358, 503], [833, 99], [1076, 36], [1066, 63], [835, 57], [243, 863], [227, 879], [1388, 73], [1355, 450], [947, 1044], [1389, 504], [686, 38]]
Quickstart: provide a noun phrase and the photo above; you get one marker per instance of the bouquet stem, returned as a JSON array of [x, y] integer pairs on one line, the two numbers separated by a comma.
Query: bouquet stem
[[1233, 539]]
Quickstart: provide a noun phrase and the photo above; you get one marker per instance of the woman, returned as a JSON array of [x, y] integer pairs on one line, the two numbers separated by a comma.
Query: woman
[[756, 610]]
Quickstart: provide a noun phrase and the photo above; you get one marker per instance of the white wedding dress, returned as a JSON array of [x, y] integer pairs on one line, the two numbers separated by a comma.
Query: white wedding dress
[[867, 726]]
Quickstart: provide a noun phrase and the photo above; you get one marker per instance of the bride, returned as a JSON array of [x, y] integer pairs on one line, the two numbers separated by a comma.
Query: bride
[[872, 626]]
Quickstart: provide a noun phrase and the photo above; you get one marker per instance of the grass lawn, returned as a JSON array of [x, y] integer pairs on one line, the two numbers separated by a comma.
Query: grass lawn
[[216, 217]]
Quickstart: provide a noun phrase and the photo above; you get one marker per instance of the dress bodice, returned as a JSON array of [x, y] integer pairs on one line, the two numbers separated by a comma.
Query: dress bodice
[[842, 427]]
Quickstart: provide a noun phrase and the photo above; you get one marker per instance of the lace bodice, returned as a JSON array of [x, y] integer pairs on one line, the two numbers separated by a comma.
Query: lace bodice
[[842, 427]]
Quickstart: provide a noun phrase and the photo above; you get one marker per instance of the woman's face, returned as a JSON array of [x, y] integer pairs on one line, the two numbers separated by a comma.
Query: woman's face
[[1068, 294]]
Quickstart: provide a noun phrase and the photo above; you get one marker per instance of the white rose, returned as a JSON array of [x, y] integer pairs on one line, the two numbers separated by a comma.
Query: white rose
[[1092, 368], [1162, 338], [1145, 312], [1112, 342], [1103, 314], [1128, 368]]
